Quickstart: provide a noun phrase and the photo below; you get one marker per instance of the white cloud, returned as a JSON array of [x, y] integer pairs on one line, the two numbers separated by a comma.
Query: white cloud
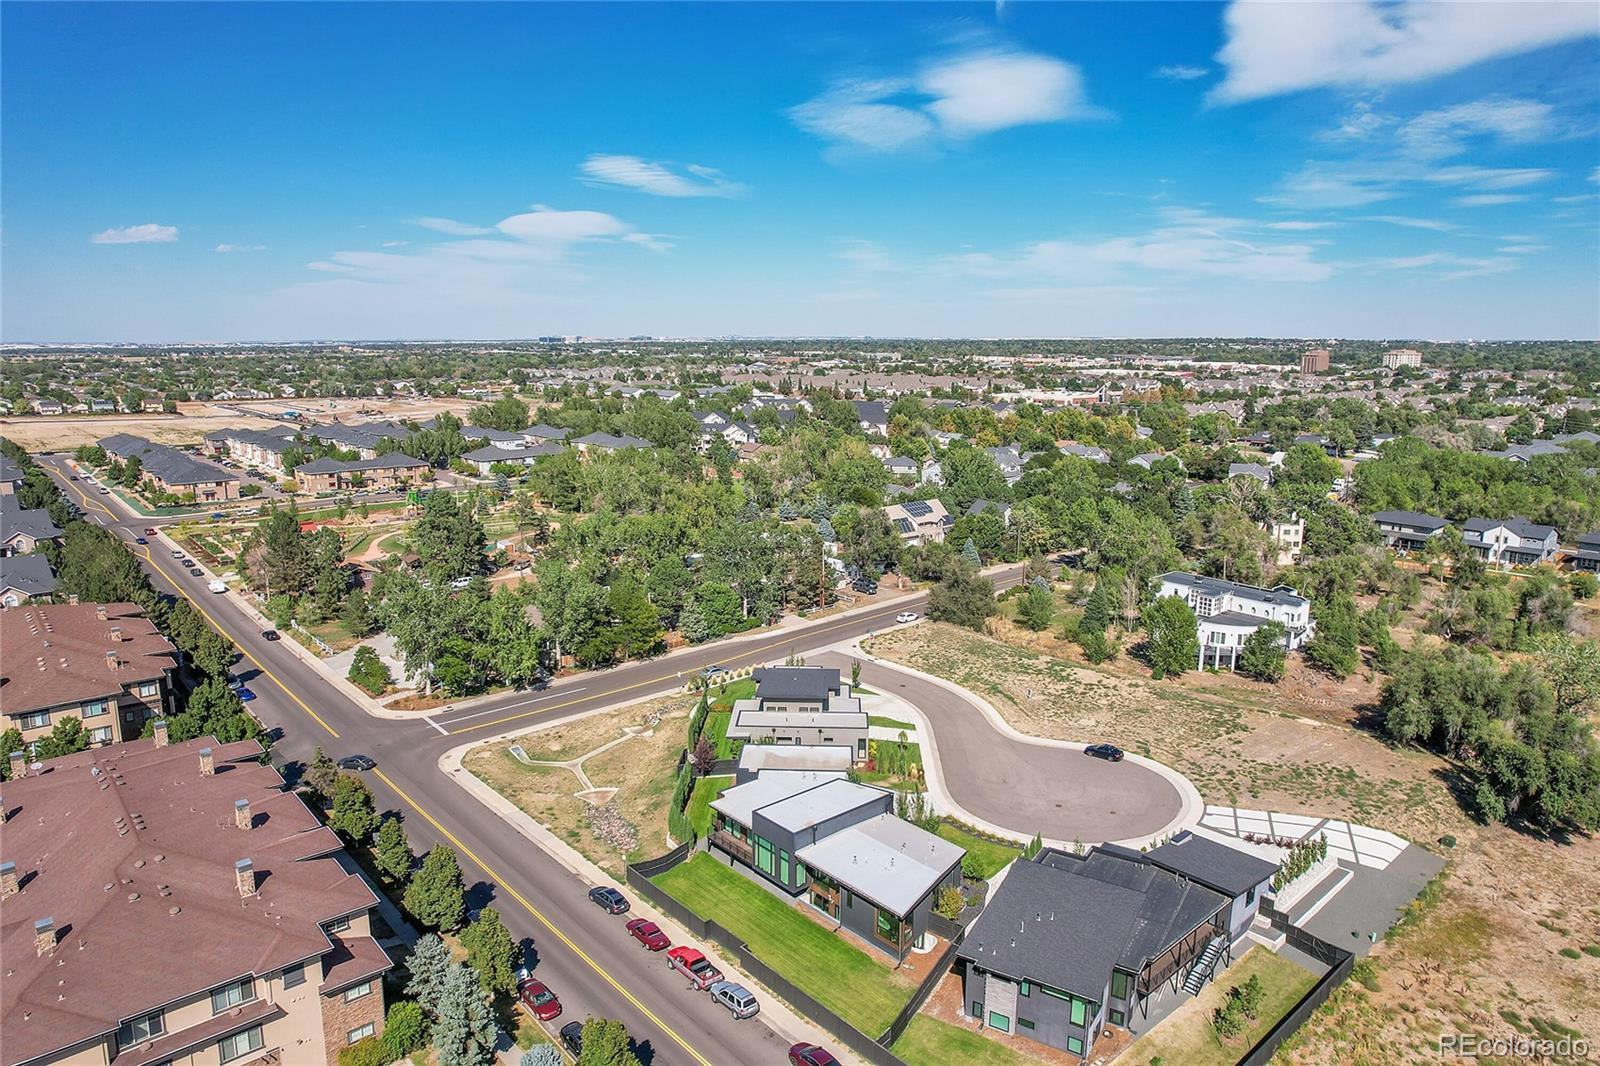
[[1488, 199], [226, 249], [959, 97], [657, 179], [1522, 248], [868, 256], [148, 233], [1457, 267], [1445, 131], [1299, 224], [1359, 183], [1181, 72], [1487, 177], [548, 227], [451, 226], [1437, 225], [1275, 48], [395, 244]]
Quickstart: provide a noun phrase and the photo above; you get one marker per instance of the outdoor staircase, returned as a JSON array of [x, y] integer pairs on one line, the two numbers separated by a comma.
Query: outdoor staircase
[[1200, 972]]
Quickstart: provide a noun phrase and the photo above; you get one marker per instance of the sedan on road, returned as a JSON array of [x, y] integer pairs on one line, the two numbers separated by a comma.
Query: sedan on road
[[244, 694], [737, 998], [906, 616], [811, 1055], [149, 531], [695, 966], [572, 1038], [270, 634], [540, 1001], [1108, 752], [649, 934], [609, 899], [195, 571], [356, 762], [141, 540]]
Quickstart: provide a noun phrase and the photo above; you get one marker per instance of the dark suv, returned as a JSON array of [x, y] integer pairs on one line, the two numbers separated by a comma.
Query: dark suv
[[610, 899]]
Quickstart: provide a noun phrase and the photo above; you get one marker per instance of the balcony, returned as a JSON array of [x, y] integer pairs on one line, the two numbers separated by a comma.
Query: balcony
[[739, 849]]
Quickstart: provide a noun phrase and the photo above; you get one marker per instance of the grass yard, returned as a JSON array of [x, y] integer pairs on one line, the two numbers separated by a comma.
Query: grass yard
[[888, 723], [992, 855], [930, 1042], [1187, 1036], [706, 789], [861, 990], [716, 731], [725, 696]]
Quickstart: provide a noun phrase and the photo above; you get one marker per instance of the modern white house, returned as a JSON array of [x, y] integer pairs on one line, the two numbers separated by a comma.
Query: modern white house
[[809, 706], [1510, 541], [1229, 612]]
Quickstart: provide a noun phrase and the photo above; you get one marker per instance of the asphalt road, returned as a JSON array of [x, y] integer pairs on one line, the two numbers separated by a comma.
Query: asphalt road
[[582, 953], [1028, 787]]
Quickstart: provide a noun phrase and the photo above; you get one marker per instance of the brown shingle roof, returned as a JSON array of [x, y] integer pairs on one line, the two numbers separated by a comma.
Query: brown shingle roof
[[51, 654], [131, 850]]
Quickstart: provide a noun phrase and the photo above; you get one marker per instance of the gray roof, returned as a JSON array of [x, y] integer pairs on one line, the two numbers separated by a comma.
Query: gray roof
[[980, 505], [392, 461], [1411, 519], [1255, 470], [164, 463], [539, 429], [891, 862], [1235, 618], [495, 454], [10, 471], [485, 433], [795, 682], [1212, 863], [1217, 586], [762, 758], [771, 786], [1520, 526], [27, 573], [610, 440], [31, 521], [872, 411], [816, 805]]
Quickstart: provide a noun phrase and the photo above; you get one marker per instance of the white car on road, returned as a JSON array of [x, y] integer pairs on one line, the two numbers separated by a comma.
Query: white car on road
[[217, 585], [906, 616]]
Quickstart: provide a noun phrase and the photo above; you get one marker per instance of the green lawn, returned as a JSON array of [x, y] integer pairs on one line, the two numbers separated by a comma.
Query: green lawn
[[717, 732], [841, 977], [726, 695], [706, 789], [1187, 1036], [890, 723], [991, 855], [930, 1042]]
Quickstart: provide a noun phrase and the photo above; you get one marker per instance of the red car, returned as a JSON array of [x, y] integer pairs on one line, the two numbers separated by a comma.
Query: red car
[[540, 1001], [648, 934], [695, 966], [810, 1055]]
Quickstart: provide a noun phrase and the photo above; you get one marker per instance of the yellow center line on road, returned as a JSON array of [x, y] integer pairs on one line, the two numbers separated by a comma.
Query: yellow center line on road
[[539, 915]]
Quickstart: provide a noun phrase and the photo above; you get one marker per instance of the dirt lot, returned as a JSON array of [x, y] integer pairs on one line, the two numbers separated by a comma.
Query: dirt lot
[[1283, 748], [633, 823], [195, 420], [1482, 956]]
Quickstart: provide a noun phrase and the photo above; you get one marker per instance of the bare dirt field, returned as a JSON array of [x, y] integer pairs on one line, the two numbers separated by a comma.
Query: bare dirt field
[[632, 824], [194, 420]]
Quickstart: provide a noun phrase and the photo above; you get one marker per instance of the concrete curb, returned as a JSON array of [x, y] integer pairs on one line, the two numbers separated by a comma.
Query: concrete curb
[[776, 1014], [1189, 813]]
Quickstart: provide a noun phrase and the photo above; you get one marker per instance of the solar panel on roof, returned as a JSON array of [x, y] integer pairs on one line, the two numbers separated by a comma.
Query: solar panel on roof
[[903, 524], [917, 508]]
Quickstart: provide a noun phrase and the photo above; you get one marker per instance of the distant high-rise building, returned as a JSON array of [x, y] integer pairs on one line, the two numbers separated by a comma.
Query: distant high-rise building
[[1314, 361], [1402, 357]]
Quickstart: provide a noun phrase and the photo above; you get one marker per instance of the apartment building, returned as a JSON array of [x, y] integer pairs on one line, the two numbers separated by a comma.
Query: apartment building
[[391, 471], [600, 443], [486, 458], [173, 471], [176, 904], [105, 664], [1314, 361], [1399, 357], [252, 447], [1229, 612]]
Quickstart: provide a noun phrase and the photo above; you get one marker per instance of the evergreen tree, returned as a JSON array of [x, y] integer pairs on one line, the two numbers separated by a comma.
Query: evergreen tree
[[969, 551], [786, 512], [1336, 646], [492, 953], [465, 1033], [1172, 639], [1037, 608], [391, 850], [352, 812], [1262, 656], [963, 597], [320, 775], [436, 896], [428, 963], [542, 1055]]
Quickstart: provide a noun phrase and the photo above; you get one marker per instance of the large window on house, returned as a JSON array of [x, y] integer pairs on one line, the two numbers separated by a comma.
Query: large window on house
[[355, 992], [999, 1021], [95, 708], [887, 927], [239, 1044], [764, 853], [1119, 985], [36, 720], [231, 995], [1080, 1011], [783, 866], [1075, 1045], [360, 1033], [138, 1030]]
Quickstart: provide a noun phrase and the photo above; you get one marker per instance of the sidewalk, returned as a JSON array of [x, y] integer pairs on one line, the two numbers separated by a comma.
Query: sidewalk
[[776, 1014]]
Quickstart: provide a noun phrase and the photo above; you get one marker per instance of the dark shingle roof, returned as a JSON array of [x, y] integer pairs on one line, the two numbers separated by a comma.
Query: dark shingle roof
[[27, 573], [1413, 519], [1211, 863], [163, 463], [34, 522], [795, 682]]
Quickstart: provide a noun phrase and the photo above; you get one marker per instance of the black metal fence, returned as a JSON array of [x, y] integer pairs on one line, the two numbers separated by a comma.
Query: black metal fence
[[1339, 962], [953, 934]]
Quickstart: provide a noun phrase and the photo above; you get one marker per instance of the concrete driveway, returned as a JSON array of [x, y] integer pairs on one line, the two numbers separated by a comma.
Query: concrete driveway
[[1026, 785]]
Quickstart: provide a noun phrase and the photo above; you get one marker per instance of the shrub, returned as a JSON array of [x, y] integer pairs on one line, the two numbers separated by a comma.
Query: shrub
[[368, 1051], [405, 1029], [971, 867], [950, 903], [1227, 1020], [369, 672], [1583, 586], [542, 1055], [1569, 953]]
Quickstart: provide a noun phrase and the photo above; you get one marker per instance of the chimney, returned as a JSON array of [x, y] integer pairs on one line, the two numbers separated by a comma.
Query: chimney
[[72, 599], [160, 727], [241, 813], [44, 936], [2, 811], [206, 766], [100, 611], [19, 765], [112, 662], [116, 634], [244, 872], [8, 880]]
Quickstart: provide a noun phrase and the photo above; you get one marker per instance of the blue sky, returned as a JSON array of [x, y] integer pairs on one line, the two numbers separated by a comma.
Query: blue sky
[[235, 172]]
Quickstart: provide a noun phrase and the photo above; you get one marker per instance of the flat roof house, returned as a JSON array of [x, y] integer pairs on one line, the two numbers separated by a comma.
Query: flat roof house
[[800, 705], [1408, 531], [836, 843], [176, 904], [1510, 542], [918, 521], [1069, 944], [105, 664], [172, 470], [1228, 612]]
